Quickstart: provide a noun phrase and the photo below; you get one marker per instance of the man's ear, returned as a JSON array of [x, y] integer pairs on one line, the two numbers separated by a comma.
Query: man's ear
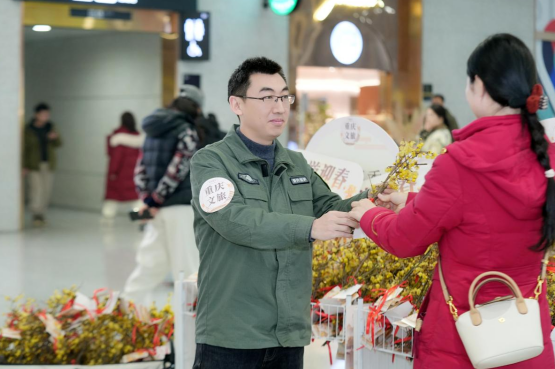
[[235, 103]]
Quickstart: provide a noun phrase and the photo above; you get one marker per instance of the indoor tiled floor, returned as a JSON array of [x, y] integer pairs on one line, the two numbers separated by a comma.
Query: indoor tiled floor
[[73, 249]]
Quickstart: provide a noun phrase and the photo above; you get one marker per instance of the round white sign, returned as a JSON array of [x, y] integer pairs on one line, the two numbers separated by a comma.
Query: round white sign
[[346, 43], [357, 140]]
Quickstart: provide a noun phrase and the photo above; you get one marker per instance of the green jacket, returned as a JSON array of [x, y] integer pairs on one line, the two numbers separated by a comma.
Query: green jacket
[[31, 149], [255, 275]]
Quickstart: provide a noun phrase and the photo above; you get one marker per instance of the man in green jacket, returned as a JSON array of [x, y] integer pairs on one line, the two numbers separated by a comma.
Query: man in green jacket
[[39, 160], [258, 208]]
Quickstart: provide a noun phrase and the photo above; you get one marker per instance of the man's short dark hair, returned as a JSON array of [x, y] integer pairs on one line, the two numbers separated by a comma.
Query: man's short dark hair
[[239, 81], [439, 96], [41, 107]]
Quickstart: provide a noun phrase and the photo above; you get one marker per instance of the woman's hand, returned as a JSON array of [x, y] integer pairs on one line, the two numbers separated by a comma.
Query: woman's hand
[[392, 200], [360, 208]]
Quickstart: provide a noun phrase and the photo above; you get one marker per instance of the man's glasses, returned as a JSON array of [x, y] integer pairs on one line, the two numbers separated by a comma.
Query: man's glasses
[[268, 100]]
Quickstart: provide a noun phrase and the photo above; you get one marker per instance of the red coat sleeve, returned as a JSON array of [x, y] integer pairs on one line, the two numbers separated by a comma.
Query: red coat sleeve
[[433, 211]]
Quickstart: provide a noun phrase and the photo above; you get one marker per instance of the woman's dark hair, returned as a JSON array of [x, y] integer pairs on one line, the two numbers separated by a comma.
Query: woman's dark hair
[[508, 70], [192, 109], [186, 106], [42, 107], [128, 121], [441, 112], [439, 96]]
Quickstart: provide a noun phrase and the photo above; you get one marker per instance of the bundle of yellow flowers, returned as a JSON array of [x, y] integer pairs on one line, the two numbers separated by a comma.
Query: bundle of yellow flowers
[[342, 262], [361, 262], [75, 329], [345, 262], [551, 289], [405, 168]]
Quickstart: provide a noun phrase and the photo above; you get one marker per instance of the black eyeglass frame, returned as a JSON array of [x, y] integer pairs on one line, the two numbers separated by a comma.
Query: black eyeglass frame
[[290, 98]]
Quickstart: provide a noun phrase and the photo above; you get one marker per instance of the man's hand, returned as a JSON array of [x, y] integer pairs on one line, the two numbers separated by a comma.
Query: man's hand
[[332, 225], [52, 135], [153, 211], [392, 200], [360, 208]]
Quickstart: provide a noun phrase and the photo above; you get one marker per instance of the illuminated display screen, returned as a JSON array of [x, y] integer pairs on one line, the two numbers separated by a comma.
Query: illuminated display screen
[[178, 5], [195, 36]]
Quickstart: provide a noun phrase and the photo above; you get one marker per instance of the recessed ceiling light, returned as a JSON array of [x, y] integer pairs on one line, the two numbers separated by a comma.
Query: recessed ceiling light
[[42, 28]]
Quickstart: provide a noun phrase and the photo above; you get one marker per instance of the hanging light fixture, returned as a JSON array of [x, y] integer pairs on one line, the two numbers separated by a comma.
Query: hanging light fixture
[[327, 6]]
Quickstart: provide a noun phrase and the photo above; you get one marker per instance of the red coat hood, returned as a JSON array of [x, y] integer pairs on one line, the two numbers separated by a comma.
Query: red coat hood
[[500, 147]]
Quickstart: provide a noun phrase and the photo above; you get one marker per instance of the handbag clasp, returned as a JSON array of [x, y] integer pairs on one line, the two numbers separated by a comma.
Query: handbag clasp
[[453, 309], [538, 289]]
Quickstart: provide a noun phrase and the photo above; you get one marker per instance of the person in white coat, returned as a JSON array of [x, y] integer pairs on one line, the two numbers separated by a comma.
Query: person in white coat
[[162, 178], [437, 133]]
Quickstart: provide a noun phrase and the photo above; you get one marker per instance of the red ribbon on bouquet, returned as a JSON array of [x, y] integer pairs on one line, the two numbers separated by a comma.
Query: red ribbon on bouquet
[[329, 350], [323, 315], [89, 312], [329, 288], [375, 311], [95, 298]]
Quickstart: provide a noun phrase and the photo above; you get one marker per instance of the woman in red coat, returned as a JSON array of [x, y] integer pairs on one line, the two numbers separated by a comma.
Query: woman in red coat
[[124, 146], [489, 201]]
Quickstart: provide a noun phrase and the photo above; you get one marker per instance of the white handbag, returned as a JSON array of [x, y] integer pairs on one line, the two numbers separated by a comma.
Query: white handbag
[[501, 332]]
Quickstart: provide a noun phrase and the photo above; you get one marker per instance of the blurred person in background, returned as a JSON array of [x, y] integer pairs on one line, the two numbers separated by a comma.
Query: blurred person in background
[[162, 178], [440, 100], [208, 129], [40, 142], [123, 148], [437, 133], [217, 134]]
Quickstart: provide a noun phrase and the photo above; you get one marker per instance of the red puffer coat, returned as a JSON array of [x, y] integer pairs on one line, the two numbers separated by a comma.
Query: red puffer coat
[[123, 149], [483, 202]]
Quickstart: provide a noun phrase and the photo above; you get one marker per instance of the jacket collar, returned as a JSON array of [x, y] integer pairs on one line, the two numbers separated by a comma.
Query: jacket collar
[[244, 155], [47, 126]]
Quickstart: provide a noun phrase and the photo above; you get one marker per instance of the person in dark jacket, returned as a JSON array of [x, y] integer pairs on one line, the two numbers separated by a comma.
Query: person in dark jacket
[[40, 142], [211, 129], [163, 182], [123, 147]]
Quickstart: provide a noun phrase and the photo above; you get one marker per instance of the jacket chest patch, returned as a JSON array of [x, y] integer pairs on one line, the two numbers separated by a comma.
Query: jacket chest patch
[[247, 178], [299, 180]]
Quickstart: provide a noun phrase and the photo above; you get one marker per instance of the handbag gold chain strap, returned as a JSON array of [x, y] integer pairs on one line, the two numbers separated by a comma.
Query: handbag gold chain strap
[[449, 299]]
